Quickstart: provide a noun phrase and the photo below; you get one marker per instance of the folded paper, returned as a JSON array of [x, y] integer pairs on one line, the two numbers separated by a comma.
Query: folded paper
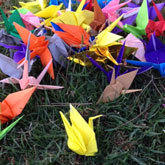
[[81, 136]]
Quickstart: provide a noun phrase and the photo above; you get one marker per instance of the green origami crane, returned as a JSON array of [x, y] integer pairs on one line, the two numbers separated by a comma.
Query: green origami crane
[[6, 130], [20, 10], [15, 17], [141, 22]]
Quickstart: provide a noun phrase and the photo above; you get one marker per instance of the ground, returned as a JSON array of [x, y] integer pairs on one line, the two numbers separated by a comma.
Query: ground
[[130, 131]]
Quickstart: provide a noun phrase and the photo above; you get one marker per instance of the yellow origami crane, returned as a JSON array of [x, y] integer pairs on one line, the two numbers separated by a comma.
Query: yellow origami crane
[[34, 6], [99, 54], [81, 58], [106, 39], [80, 17], [81, 137], [49, 13]]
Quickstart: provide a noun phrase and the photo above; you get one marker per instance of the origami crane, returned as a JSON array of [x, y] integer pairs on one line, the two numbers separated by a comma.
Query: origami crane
[[128, 50], [149, 65], [139, 30], [105, 39], [157, 27], [129, 17], [117, 67], [81, 58], [88, 5], [81, 137], [26, 81], [103, 3], [99, 55], [151, 10], [79, 18], [6, 38], [110, 10], [14, 103], [132, 41], [118, 86], [9, 42], [74, 36], [152, 13], [9, 67], [15, 17], [59, 49], [8, 129], [108, 74], [129, 11], [20, 51], [38, 46], [34, 6], [49, 14], [57, 2], [130, 14], [21, 11], [30, 20], [99, 18], [155, 50], [154, 56]]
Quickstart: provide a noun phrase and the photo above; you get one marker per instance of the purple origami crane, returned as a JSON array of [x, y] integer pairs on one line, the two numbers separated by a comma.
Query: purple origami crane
[[20, 51], [155, 51], [154, 55]]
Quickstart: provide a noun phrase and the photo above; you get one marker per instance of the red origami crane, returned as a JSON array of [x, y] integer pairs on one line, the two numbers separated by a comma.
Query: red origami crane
[[38, 46], [157, 27]]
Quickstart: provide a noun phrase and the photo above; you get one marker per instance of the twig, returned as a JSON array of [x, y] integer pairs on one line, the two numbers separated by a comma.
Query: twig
[[144, 89], [157, 88], [64, 104]]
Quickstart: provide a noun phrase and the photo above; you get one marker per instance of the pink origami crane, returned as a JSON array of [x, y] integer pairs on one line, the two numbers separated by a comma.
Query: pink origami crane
[[30, 20], [132, 41], [110, 10], [30, 81]]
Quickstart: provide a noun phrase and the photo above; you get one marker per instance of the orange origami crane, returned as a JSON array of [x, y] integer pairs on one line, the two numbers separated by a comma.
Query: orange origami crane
[[74, 36], [38, 46], [99, 18], [14, 104]]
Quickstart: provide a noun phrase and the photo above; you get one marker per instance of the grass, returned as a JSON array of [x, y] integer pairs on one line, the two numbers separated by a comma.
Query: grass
[[130, 132]]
